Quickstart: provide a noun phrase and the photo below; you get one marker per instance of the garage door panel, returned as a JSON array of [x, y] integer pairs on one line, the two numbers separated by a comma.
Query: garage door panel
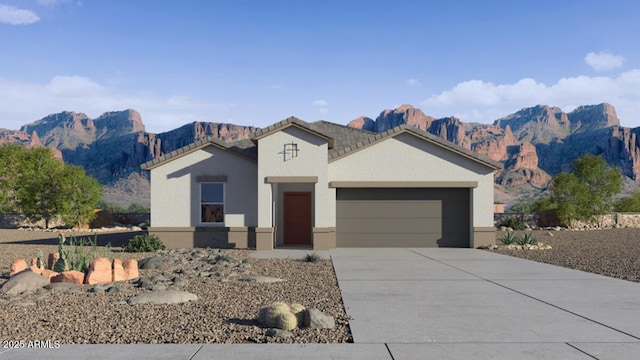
[[389, 226], [387, 240], [403, 217], [389, 209]]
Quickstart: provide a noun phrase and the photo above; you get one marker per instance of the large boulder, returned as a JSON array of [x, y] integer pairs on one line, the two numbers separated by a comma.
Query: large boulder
[[131, 269], [71, 276], [317, 319], [154, 262], [118, 271], [24, 282], [99, 272], [17, 266]]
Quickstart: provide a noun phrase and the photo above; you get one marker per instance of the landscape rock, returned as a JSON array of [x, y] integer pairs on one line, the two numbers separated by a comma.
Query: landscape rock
[[99, 272], [65, 287], [48, 274], [163, 297], [35, 268], [316, 319], [51, 260], [71, 276], [24, 282], [17, 266], [130, 267], [119, 274], [154, 262]]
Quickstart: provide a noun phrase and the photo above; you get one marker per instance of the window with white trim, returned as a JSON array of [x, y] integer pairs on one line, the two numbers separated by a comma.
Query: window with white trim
[[212, 203]]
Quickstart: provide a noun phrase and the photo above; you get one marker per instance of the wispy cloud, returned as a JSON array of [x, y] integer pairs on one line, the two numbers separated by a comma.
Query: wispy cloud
[[15, 16], [413, 82], [604, 61], [24, 102], [321, 105], [53, 2], [477, 100]]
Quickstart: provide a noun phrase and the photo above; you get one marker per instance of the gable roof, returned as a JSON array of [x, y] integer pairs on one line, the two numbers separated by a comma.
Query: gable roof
[[404, 128], [290, 122], [342, 141], [242, 147]]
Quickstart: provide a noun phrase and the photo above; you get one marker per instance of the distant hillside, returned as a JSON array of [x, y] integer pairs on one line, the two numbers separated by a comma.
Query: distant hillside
[[533, 144]]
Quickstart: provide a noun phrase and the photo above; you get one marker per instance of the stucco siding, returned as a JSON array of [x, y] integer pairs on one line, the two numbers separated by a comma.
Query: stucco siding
[[311, 160], [175, 199], [408, 158]]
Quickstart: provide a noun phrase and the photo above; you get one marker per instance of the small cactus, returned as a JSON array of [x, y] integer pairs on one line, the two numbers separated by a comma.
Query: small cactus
[[298, 311], [282, 316], [267, 315], [286, 321]]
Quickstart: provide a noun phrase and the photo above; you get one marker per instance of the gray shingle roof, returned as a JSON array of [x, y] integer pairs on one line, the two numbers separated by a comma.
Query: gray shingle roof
[[342, 141]]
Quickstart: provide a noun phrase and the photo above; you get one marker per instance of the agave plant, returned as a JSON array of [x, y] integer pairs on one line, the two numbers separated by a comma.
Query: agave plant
[[527, 239], [508, 238]]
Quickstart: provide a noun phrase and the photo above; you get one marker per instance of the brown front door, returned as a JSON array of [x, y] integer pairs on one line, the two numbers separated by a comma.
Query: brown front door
[[297, 218]]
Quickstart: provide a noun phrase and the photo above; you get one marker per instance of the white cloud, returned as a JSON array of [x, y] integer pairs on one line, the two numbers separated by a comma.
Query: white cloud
[[604, 61], [53, 2], [413, 82], [15, 16], [23, 102], [481, 101], [320, 103]]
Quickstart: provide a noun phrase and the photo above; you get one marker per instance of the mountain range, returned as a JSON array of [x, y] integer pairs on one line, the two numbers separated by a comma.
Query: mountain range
[[534, 144]]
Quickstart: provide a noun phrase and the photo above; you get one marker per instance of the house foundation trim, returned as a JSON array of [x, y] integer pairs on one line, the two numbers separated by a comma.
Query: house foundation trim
[[483, 236], [264, 238], [403, 184], [324, 238]]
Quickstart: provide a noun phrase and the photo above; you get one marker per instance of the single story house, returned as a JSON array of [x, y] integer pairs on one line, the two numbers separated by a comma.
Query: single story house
[[322, 185]]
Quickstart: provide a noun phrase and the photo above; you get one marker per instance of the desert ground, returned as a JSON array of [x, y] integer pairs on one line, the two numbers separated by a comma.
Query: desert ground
[[610, 252], [225, 311]]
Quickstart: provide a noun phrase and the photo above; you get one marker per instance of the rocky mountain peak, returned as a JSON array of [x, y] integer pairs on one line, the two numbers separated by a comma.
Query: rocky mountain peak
[[118, 123], [364, 123], [388, 119], [593, 116]]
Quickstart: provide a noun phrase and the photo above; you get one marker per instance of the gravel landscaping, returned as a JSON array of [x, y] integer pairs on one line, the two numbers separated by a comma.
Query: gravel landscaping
[[224, 312], [610, 252]]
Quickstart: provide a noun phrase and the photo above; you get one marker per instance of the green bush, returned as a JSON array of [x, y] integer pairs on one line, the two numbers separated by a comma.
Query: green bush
[[144, 243], [514, 223]]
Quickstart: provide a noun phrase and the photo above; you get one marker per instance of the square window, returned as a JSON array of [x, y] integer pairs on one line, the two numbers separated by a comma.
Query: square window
[[212, 202]]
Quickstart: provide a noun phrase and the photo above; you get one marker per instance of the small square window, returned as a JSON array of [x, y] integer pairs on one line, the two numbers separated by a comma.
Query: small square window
[[212, 202]]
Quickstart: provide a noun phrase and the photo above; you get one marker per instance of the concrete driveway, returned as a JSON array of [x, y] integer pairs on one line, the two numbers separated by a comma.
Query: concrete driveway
[[466, 303]]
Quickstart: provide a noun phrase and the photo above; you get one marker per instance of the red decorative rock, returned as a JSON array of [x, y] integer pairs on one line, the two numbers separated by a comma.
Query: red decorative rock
[[131, 269], [18, 265], [71, 276], [52, 260], [47, 273], [118, 271], [34, 266], [100, 272]]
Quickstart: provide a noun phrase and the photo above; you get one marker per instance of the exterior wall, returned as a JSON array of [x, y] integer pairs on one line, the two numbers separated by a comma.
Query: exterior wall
[[408, 158], [311, 161], [175, 191]]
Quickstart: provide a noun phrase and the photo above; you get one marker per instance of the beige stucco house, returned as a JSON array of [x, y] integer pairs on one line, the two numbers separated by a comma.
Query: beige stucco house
[[322, 185]]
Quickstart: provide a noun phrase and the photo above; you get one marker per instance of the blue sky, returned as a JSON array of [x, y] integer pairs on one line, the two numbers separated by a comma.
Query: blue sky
[[258, 62]]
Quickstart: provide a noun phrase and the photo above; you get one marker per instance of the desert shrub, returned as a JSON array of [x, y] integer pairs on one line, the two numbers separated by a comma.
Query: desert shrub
[[312, 257], [628, 204], [526, 239], [144, 243], [514, 223], [508, 238]]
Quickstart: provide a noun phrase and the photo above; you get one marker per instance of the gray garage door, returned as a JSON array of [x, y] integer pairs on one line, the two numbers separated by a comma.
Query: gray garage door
[[402, 217]]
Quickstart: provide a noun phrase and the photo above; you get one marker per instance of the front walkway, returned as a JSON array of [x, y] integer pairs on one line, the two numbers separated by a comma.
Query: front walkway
[[441, 304]]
